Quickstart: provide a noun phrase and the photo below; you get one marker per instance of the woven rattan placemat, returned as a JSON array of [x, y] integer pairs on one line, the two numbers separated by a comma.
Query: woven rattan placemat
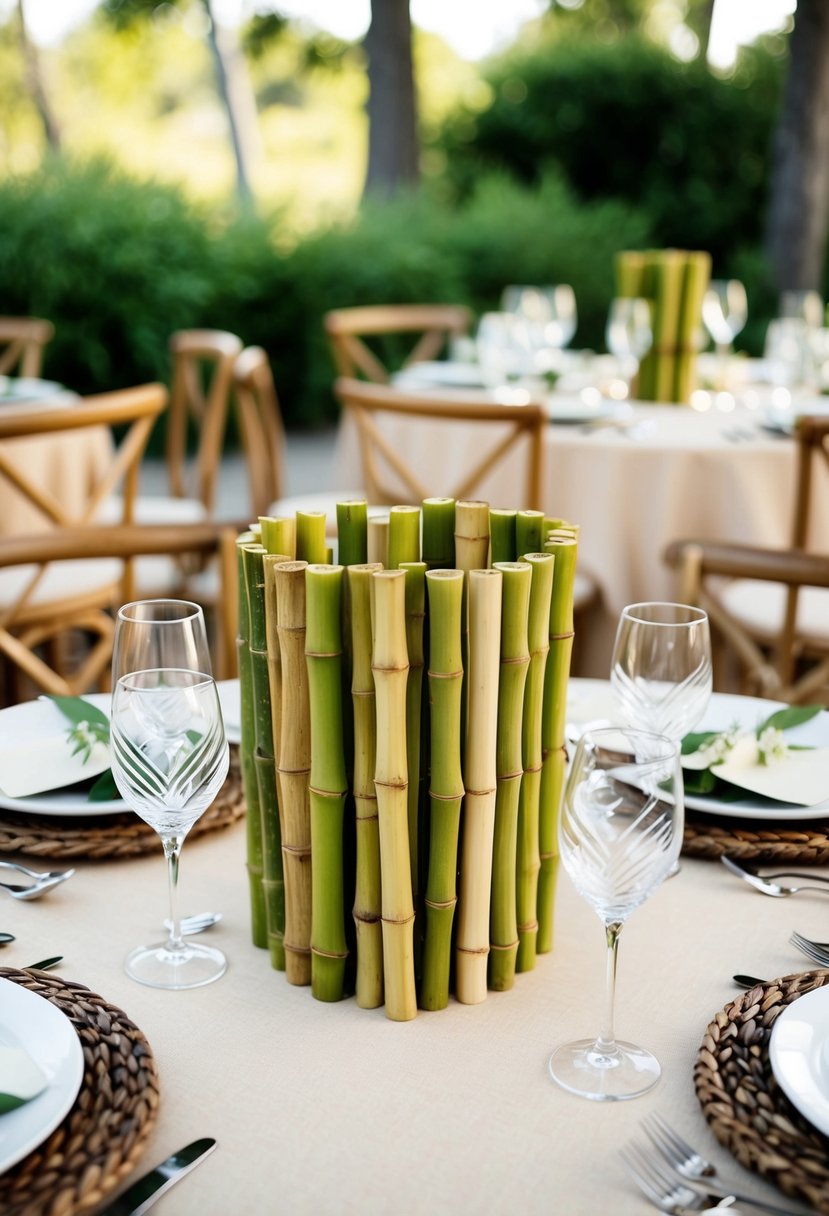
[[742, 1101], [806, 842], [99, 1142], [108, 836]]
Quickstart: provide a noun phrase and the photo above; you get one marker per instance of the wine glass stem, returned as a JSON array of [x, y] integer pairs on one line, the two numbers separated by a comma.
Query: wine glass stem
[[606, 1041], [172, 851]]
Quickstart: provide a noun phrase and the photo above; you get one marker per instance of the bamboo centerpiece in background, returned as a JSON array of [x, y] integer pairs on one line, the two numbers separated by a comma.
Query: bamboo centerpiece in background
[[367, 903], [253, 822], [479, 778], [323, 652], [445, 592], [390, 665], [509, 769], [295, 769]]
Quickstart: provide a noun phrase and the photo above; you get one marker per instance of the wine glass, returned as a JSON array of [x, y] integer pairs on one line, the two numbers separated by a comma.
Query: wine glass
[[169, 757], [724, 314], [499, 348], [547, 320], [620, 833], [629, 334]]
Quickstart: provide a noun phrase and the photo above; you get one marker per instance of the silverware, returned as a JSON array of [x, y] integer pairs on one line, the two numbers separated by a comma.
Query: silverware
[[142, 1194], [45, 964], [768, 886], [35, 889], [15, 865], [698, 1171], [6, 937], [666, 1192], [197, 923], [816, 951]]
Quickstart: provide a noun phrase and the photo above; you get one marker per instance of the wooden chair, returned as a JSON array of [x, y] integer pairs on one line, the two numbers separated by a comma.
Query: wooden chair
[[363, 340], [73, 546], [770, 607], [22, 342], [39, 601], [260, 426]]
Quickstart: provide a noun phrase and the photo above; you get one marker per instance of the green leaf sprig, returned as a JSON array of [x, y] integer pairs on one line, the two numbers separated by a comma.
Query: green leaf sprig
[[90, 725]]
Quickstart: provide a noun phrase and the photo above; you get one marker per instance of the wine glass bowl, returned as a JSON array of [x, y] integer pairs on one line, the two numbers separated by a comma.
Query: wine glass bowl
[[546, 319], [724, 313], [629, 332], [169, 757]]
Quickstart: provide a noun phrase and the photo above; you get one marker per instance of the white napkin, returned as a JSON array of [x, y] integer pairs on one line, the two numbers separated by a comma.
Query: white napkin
[[36, 752], [20, 1078], [801, 777]]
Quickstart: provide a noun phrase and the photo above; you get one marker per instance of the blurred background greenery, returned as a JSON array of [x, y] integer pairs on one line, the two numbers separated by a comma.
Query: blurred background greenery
[[128, 212]]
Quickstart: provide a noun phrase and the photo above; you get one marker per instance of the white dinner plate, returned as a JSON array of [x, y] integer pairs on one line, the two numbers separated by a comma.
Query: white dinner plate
[[587, 408], [440, 374], [30, 1022], [799, 1056]]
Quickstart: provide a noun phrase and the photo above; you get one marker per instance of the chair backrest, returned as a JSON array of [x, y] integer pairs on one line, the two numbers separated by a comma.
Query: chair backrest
[[490, 432], [361, 338], [260, 426], [22, 340], [203, 361]]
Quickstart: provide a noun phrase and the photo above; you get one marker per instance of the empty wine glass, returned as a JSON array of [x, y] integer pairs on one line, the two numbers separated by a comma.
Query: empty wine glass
[[724, 314], [804, 306], [629, 334], [547, 320], [499, 348], [169, 757], [620, 833]]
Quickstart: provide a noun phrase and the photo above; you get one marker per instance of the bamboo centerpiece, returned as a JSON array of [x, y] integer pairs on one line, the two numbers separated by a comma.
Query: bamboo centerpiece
[[323, 652], [445, 592], [295, 769], [479, 778], [554, 757], [253, 823], [438, 546], [390, 665], [404, 536], [509, 769], [367, 904], [529, 808]]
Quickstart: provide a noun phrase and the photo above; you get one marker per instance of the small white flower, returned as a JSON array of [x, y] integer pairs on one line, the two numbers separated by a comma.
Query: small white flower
[[745, 751], [772, 746]]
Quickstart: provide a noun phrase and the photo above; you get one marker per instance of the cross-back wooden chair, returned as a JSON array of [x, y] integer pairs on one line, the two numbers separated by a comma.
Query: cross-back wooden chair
[[499, 429], [22, 342], [39, 601], [260, 426], [770, 606], [364, 340]]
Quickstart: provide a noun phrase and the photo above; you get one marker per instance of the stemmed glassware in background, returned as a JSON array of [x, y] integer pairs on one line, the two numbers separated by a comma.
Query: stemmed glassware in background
[[499, 349], [724, 314], [629, 333], [620, 833], [546, 321], [169, 757]]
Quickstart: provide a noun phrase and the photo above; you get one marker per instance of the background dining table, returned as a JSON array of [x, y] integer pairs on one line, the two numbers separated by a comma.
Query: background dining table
[[328, 1110]]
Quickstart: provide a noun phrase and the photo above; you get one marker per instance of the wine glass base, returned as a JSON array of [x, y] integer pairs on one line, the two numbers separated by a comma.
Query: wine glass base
[[160, 967], [614, 1076]]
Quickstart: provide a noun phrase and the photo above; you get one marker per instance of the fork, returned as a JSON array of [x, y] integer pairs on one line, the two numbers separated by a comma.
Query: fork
[[816, 951], [745, 867], [666, 1193], [697, 1170]]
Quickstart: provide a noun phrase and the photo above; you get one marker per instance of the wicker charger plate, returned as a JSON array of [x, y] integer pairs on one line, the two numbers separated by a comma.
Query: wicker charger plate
[[99, 1142], [740, 1098], [112, 835], [806, 842]]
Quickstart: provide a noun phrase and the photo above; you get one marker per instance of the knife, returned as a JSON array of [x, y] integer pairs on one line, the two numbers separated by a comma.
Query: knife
[[142, 1194]]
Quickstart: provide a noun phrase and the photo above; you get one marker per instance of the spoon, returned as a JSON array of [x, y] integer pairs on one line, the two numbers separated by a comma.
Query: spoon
[[6, 937], [768, 886], [36, 889]]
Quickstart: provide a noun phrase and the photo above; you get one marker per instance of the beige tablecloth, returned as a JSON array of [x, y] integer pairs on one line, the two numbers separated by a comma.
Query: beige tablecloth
[[329, 1110]]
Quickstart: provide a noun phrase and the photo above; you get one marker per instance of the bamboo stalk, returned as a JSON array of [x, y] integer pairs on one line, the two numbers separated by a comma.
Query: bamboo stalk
[[323, 653], [445, 591], [479, 778], [554, 757], [311, 545], [273, 884], [269, 562], [367, 903], [509, 768], [378, 540], [352, 532], [295, 769], [247, 749], [502, 529], [278, 534], [529, 861], [415, 619], [438, 549], [390, 666], [404, 536], [529, 532], [471, 535], [695, 283]]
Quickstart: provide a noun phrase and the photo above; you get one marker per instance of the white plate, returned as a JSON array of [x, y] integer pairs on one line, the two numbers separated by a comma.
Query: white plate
[[436, 374], [572, 410], [799, 1056], [31, 1022]]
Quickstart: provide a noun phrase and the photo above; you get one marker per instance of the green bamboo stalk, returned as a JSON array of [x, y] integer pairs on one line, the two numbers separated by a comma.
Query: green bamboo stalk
[[247, 749], [554, 757], [629, 269], [273, 884], [515, 661], [415, 618], [352, 532], [404, 536], [311, 545], [502, 530], [294, 769], [323, 653], [278, 534], [438, 550], [390, 666], [529, 532], [378, 540], [445, 591], [695, 283], [367, 900], [529, 861]]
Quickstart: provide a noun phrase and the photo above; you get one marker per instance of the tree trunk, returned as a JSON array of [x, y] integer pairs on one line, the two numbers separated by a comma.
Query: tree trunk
[[34, 82], [237, 99], [799, 206], [392, 109]]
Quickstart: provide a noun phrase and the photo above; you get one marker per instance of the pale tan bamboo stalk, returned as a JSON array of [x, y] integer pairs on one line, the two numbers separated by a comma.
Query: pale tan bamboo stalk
[[295, 769], [378, 540], [480, 782], [471, 535], [390, 666]]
